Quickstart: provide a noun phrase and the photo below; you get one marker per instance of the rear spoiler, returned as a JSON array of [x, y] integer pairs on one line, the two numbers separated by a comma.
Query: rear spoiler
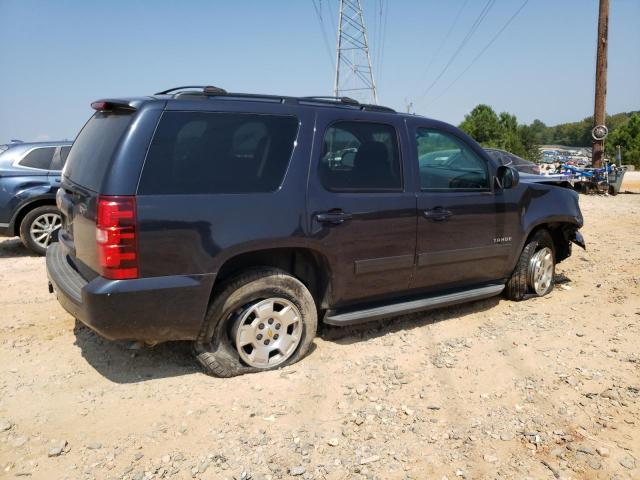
[[111, 105]]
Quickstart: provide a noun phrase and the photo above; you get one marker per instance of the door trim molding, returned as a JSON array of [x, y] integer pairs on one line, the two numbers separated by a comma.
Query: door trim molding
[[463, 254], [372, 265]]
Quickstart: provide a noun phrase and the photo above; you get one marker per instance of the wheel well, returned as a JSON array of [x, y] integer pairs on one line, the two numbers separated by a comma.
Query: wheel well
[[561, 235], [308, 266], [26, 209]]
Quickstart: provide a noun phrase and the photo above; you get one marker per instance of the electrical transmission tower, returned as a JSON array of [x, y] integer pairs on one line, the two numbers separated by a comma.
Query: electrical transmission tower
[[354, 74]]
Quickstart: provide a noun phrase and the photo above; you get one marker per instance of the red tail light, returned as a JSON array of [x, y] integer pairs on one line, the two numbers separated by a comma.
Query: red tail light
[[116, 237]]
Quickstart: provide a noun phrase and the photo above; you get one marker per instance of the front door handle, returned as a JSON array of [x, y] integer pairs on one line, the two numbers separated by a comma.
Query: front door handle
[[437, 214], [333, 217]]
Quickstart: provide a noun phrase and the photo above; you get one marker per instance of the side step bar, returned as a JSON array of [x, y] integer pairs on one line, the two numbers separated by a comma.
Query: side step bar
[[359, 316]]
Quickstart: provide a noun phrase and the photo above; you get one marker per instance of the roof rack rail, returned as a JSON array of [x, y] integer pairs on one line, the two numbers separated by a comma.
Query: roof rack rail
[[347, 100], [206, 89], [376, 108], [352, 102]]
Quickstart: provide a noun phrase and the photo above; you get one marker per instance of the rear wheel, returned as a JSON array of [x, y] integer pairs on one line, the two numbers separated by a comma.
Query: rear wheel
[[260, 320], [535, 270], [39, 228]]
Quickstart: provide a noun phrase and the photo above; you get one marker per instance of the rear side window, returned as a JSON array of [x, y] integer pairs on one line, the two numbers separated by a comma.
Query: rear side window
[[360, 156], [91, 153], [205, 152], [38, 158]]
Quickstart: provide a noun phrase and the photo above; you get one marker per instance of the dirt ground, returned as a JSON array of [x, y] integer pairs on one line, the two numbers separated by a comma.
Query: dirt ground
[[548, 387]]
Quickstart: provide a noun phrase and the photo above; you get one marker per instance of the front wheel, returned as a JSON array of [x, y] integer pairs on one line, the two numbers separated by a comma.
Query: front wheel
[[259, 320], [534, 273], [39, 228]]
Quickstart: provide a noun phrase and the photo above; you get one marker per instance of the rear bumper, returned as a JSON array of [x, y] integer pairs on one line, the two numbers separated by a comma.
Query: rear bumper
[[155, 309]]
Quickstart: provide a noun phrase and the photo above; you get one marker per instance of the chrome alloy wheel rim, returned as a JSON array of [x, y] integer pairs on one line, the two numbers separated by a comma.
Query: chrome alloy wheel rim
[[43, 226], [541, 271], [268, 332]]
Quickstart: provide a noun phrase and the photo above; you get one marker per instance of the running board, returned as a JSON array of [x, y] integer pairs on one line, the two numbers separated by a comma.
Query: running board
[[359, 316]]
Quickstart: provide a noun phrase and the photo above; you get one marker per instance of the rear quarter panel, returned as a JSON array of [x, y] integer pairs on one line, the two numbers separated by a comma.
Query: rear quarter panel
[[191, 234]]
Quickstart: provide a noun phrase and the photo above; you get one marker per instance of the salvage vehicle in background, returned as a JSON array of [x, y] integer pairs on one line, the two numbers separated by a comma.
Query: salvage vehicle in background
[[512, 160], [239, 221], [29, 179]]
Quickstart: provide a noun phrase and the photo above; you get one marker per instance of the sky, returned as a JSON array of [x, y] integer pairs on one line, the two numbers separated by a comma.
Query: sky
[[58, 56]]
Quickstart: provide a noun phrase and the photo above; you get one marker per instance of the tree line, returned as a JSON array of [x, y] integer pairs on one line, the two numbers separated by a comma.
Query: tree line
[[503, 131]]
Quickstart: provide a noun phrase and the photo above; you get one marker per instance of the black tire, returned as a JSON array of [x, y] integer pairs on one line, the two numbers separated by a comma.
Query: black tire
[[25, 228], [517, 287], [215, 349]]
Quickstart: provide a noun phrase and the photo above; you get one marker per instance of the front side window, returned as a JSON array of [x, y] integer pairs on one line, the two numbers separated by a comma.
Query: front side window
[[360, 156], [205, 152], [39, 158], [447, 163]]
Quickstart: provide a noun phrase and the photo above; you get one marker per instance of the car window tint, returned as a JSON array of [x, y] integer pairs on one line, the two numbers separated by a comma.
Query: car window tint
[[446, 162], [359, 156], [39, 158], [206, 152]]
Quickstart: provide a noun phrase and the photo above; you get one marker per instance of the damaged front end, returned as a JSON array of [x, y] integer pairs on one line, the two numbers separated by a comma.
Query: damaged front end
[[578, 239], [564, 236]]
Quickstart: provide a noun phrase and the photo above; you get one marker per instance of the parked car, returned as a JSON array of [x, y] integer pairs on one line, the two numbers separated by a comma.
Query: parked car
[[29, 178], [223, 219], [512, 160]]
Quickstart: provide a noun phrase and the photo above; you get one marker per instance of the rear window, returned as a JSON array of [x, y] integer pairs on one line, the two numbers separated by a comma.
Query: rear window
[[204, 152], [38, 158], [91, 153]]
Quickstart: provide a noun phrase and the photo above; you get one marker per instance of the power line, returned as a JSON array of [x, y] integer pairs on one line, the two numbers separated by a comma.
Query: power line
[[486, 47], [465, 40], [377, 33], [318, 10], [423, 75], [383, 34]]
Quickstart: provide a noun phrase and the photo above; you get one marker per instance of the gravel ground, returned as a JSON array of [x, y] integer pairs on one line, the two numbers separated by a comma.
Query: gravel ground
[[542, 389]]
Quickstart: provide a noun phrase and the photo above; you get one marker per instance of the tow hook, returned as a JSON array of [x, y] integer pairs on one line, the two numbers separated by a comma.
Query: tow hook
[[578, 239]]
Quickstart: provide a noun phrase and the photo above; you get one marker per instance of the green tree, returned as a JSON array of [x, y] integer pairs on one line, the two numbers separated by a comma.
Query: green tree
[[627, 135], [483, 125], [530, 145], [501, 131], [540, 132]]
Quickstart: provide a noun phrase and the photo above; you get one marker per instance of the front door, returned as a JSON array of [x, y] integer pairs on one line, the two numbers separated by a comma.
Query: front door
[[361, 212], [460, 217]]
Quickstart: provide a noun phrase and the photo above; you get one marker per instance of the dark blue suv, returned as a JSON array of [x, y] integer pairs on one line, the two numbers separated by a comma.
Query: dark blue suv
[[29, 179], [239, 221]]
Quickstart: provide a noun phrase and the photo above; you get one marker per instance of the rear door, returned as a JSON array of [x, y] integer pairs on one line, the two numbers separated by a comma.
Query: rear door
[[362, 212], [460, 218]]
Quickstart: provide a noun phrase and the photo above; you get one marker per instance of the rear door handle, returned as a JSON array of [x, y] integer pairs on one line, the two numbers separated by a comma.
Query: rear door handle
[[437, 214], [334, 218]]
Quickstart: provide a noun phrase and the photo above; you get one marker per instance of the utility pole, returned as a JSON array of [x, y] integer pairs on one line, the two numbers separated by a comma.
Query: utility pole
[[354, 74], [599, 132]]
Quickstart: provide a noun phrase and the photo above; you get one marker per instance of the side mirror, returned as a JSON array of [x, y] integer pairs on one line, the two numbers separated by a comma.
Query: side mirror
[[507, 177]]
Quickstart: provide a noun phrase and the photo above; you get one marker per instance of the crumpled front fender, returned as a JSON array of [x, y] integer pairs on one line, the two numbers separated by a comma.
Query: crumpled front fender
[[578, 239]]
